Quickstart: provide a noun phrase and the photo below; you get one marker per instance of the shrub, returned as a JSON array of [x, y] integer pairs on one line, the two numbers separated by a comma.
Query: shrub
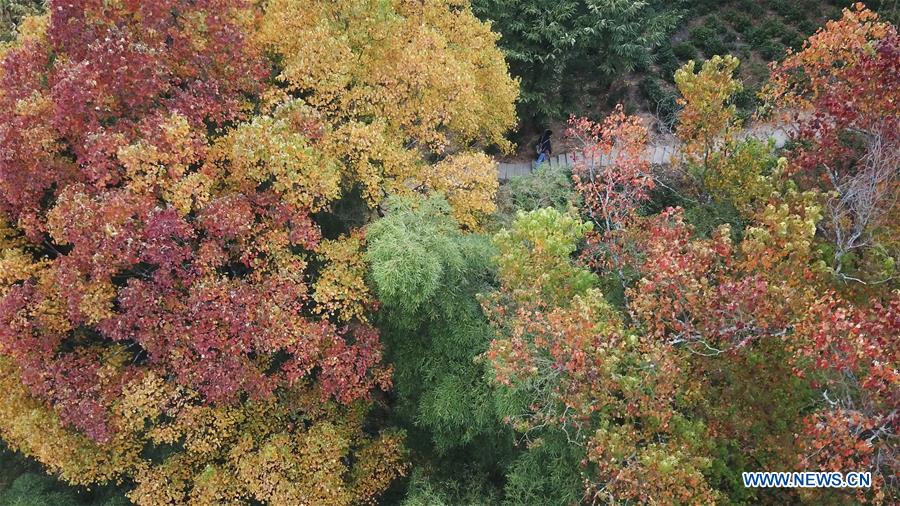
[[617, 95], [714, 23], [651, 90], [746, 99], [739, 21], [792, 39], [766, 33], [729, 38], [808, 27], [754, 71], [788, 9], [705, 6], [719, 28], [545, 187], [751, 7], [706, 39], [772, 50], [667, 61], [685, 51]]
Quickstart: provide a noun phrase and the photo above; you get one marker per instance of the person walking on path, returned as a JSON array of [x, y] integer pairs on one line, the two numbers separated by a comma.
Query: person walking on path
[[544, 148]]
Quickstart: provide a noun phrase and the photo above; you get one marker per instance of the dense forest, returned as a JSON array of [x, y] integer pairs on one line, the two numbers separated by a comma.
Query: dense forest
[[257, 252]]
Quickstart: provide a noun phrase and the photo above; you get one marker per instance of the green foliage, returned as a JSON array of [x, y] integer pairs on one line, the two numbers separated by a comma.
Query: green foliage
[[715, 24], [555, 47], [758, 424], [790, 10], [772, 50], [24, 483], [547, 474], [468, 490], [771, 32], [707, 39], [739, 20], [535, 256], [706, 218], [746, 101], [888, 9], [545, 187], [701, 7], [685, 51], [32, 489], [426, 273], [38, 489], [807, 27], [758, 31], [754, 8], [666, 61]]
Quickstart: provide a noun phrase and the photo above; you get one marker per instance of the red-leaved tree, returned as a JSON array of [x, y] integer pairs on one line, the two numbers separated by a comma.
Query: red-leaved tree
[[842, 90], [613, 176]]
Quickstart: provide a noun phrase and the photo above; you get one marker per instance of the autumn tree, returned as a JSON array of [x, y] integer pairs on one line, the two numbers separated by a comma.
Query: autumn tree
[[707, 121], [182, 306], [841, 93], [426, 273], [613, 178], [724, 280], [757, 348], [389, 101], [851, 352], [733, 296], [578, 380]]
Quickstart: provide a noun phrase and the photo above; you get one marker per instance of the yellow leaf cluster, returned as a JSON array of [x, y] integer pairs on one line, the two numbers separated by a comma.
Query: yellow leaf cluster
[[780, 243], [270, 150], [341, 290], [301, 468], [16, 264], [97, 301], [707, 120], [377, 465], [469, 182], [374, 159], [258, 452], [742, 177], [31, 28], [150, 169], [430, 69]]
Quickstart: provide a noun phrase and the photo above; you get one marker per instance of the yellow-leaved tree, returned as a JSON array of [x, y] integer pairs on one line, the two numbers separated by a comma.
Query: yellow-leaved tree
[[396, 80], [708, 121]]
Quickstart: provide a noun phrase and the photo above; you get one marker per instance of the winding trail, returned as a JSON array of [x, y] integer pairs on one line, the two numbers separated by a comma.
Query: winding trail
[[658, 153]]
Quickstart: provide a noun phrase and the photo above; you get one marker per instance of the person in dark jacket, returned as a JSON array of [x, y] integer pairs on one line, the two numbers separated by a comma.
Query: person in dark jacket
[[544, 148]]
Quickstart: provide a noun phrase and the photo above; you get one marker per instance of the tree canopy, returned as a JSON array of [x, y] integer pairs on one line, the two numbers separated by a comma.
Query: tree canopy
[[258, 253], [182, 306], [557, 48]]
